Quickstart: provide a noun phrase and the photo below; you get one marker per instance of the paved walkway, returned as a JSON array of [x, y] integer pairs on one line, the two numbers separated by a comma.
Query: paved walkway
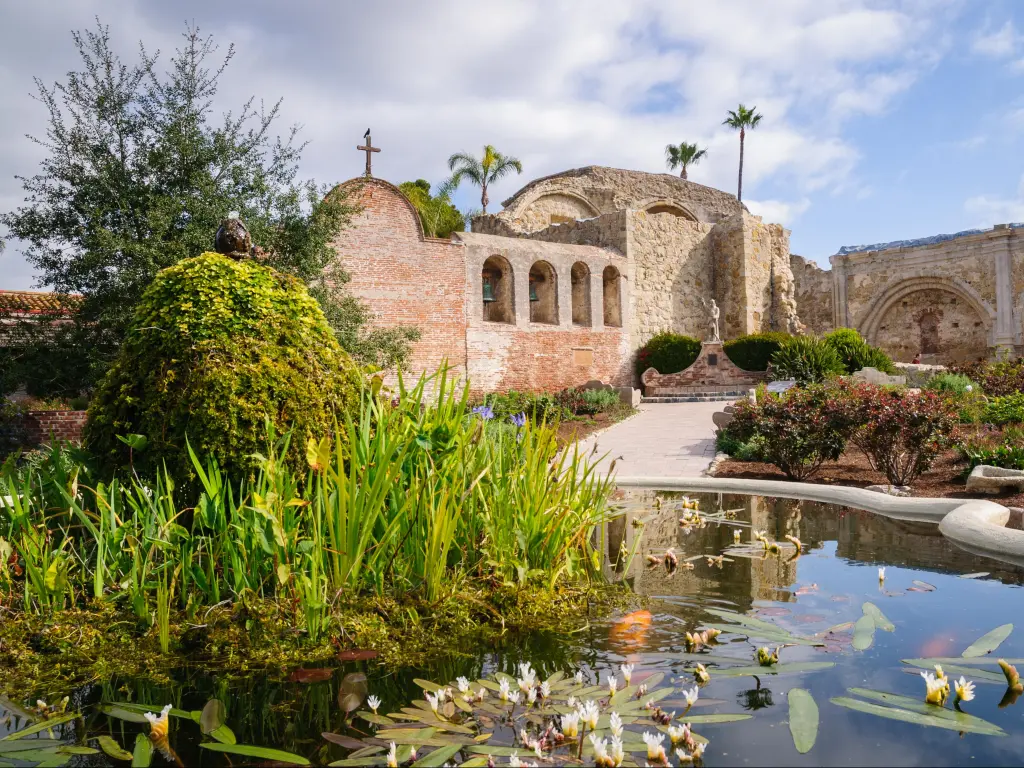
[[663, 440]]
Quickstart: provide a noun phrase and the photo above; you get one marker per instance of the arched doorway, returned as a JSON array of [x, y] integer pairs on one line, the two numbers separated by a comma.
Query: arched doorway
[[499, 305], [543, 294]]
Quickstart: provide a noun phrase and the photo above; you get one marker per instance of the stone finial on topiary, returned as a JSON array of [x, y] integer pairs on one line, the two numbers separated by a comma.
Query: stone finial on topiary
[[217, 348]]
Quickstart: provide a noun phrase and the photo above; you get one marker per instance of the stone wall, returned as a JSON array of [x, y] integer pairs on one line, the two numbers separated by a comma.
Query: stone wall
[[936, 323], [404, 277], [813, 294], [712, 368]]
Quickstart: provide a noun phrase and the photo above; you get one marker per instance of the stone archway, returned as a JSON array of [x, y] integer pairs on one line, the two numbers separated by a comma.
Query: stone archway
[[661, 205], [555, 207]]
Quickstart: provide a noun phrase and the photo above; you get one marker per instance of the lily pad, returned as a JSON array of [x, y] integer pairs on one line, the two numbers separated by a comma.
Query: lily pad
[[925, 585], [213, 716], [343, 741], [803, 719], [438, 757], [958, 660], [932, 710], [977, 575], [352, 691], [982, 675], [45, 725], [427, 685], [863, 633], [24, 745], [142, 756], [249, 750], [778, 635], [776, 669], [370, 717], [908, 716], [722, 717], [988, 642], [119, 712], [880, 619]]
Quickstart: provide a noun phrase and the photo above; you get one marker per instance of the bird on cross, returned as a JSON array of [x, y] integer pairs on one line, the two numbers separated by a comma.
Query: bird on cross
[[369, 149]]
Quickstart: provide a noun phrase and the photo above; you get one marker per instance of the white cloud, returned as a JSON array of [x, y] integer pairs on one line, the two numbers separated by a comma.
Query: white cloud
[[779, 211], [1000, 44], [990, 209]]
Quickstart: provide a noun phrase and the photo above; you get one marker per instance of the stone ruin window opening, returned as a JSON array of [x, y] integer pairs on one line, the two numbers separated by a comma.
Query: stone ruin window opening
[[580, 278], [929, 326], [498, 291], [543, 294], [611, 280]]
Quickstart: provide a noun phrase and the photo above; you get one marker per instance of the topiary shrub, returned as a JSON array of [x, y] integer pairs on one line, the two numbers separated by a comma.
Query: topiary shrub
[[754, 351], [667, 352], [805, 359], [217, 349], [857, 353]]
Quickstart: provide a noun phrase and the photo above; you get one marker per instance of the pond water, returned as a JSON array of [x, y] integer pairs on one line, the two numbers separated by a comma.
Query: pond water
[[933, 609]]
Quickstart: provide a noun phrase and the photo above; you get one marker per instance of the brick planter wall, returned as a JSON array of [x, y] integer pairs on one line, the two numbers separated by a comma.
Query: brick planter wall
[[712, 368], [60, 425]]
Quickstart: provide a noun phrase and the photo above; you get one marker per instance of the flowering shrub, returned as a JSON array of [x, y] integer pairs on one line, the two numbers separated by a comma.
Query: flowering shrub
[[667, 353], [996, 379], [900, 431], [806, 359]]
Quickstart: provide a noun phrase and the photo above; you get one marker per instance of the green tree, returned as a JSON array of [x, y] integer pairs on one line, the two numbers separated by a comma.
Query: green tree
[[741, 120], [683, 155], [138, 173], [491, 167], [440, 218]]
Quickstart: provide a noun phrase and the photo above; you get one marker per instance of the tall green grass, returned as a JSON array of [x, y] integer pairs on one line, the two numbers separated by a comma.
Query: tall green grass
[[411, 495]]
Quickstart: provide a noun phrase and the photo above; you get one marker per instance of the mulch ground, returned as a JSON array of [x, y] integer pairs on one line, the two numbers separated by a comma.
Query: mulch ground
[[568, 431], [946, 478]]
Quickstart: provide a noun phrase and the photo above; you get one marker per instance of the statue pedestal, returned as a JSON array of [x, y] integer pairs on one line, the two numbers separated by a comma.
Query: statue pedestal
[[711, 372]]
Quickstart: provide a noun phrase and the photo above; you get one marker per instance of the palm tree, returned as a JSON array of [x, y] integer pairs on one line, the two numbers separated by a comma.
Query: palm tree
[[742, 119], [489, 169], [682, 156]]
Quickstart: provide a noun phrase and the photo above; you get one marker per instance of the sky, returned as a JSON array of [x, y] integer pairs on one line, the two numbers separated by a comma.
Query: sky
[[881, 120]]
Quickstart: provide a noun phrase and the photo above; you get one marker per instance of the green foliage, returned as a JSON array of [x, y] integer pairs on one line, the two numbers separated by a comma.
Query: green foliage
[[806, 359], [538, 407], [754, 351], [218, 348], [137, 174], [600, 400], [997, 379], [963, 393], [951, 383], [439, 217], [667, 352], [1008, 455], [491, 167], [1008, 409], [13, 432], [857, 353], [682, 156]]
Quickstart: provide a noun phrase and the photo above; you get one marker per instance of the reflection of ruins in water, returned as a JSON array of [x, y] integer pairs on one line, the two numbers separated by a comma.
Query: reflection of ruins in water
[[861, 537]]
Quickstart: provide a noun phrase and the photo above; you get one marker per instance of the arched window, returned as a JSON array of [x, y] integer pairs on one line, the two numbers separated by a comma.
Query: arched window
[[498, 291], [543, 294], [612, 297], [580, 278], [929, 325]]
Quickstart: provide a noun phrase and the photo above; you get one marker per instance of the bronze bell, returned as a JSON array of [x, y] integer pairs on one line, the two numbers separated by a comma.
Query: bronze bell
[[233, 239]]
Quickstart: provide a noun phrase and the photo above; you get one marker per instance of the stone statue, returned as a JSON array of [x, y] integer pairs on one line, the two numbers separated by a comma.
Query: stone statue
[[715, 312], [233, 239]]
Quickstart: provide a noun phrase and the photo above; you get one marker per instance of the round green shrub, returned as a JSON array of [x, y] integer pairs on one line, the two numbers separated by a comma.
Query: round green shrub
[[807, 360], [856, 353], [667, 352], [219, 348], [754, 351]]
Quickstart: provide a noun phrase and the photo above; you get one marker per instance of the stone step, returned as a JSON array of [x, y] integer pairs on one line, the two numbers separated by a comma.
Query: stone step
[[697, 397]]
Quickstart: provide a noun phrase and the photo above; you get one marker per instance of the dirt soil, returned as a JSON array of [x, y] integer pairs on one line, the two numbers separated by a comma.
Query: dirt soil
[[585, 426], [946, 478]]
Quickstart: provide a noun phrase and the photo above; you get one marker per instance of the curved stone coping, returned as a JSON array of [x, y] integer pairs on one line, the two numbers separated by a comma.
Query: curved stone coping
[[977, 525]]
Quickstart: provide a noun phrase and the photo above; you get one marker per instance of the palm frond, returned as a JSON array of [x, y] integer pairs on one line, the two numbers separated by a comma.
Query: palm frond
[[503, 167], [672, 156]]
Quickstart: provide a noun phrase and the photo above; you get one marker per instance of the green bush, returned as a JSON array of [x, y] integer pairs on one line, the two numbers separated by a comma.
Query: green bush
[[1008, 409], [952, 383], [857, 353], [806, 359], [754, 351], [667, 353], [217, 349], [538, 407], [964, 394], [601, 400], [1005, 377]]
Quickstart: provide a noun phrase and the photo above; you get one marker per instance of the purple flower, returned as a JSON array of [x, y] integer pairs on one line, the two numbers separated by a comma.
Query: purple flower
[[485, 412], [519, 420]]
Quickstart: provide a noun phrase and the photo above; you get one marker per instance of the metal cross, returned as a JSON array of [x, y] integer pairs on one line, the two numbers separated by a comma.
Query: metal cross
[[369, 149]]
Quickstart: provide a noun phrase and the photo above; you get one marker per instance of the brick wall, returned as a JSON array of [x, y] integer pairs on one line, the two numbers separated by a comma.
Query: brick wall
[[712, 368], [404, 277], [62, 425]]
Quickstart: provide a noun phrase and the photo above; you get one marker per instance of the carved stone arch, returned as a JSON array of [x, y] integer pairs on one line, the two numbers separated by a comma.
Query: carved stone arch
[[900, 289], [562, 205], [664, 205]]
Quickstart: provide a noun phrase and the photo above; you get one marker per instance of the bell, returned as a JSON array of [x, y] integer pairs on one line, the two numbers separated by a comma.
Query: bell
[[488, 290], [533, 291]]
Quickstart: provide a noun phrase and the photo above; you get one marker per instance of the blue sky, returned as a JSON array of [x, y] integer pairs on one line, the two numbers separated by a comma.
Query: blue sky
[[883, 119]]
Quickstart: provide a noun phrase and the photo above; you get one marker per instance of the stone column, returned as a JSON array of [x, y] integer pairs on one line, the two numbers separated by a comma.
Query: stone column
[[1003, 334], [840, 318], [597, 296]]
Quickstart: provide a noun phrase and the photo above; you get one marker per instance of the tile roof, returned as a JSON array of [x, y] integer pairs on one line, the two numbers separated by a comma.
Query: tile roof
[[37, 302]]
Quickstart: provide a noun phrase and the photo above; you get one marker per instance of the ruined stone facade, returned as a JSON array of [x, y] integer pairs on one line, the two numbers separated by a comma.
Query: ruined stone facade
[[578, 271]]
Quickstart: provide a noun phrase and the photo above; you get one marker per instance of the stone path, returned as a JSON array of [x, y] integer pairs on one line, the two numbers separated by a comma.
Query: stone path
[[663, 440]]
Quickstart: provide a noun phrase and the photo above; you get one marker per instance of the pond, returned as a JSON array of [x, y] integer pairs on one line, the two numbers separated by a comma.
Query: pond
[[935, 602]]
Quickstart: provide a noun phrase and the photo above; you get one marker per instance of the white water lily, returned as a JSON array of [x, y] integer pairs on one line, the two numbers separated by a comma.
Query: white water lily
[[627, 672], [615, 724], [684, 758], [702, 674], [545, 689], [482, 694], [937, 688], [964, 689], [678, 733], [158, 724], [579, 677], [503, 689], [433, 700], [571, 725], [655, 749], [463, 684], [613, 684], [527, 676], [601, 757], [531, 696], [736, 535], [691, 696], [515, 762], [571, 703], [616, 751], [393, 756], [589, 713], [514, 697], [373, 703], [939, 674], [881, 573]]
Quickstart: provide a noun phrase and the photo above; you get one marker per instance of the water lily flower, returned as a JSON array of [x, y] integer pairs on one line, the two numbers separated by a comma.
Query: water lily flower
[[571, 725], [514, 697], [671, 561], [601, 756], [615, 724], [627, 672], [589, 713], [412, 752], [527, 672], [571, 703], [795, 542], [939, 674], [694, 755], [482, 694], [617, 752], [515, 762], [393, 756], [641, 691], [881, 573], [1012, 676], [531, 697], [545, 689], [463, 684], [937, 689], [613, 684], [736, 533], [678, 733], [655, 750], [766, 657], [433, 700], [711, 634], [702, 674], [578, 677], [158, 724], [964, 689], [373, 702], [691, 695], [503, 689]]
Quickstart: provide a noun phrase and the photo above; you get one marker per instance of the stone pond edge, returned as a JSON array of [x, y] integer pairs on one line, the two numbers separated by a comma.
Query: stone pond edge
[[976, 525]]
